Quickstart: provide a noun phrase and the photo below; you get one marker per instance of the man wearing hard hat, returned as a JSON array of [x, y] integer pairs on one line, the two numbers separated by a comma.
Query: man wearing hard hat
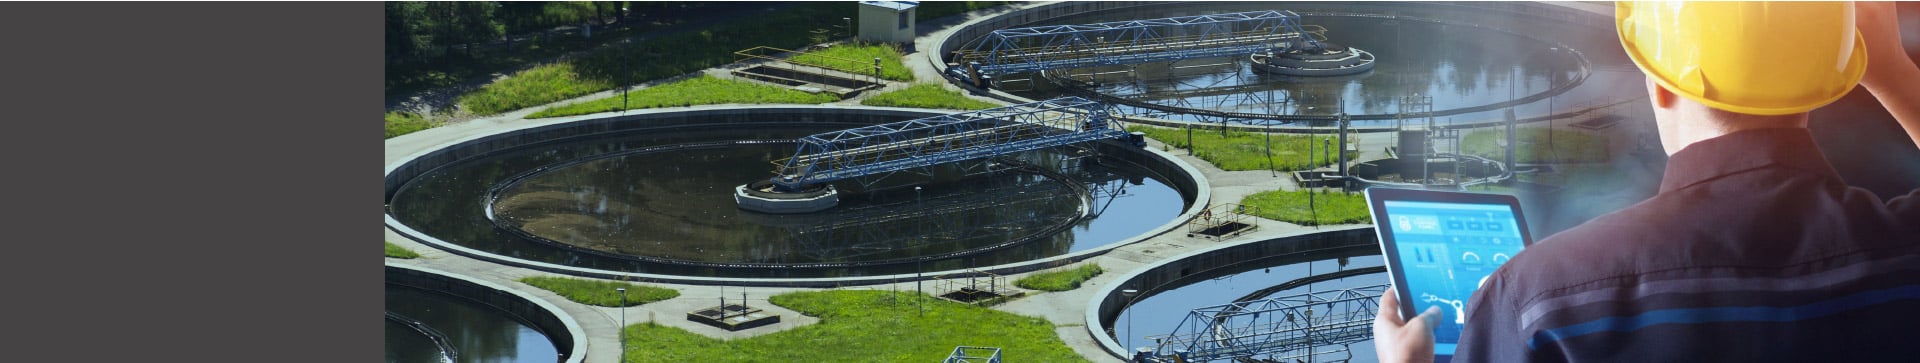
[[1754, 249]]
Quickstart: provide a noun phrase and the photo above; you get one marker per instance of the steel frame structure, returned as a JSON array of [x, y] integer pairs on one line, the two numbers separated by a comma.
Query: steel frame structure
[[966, 354], [1138, 41], [898, 146], [1273, 325]]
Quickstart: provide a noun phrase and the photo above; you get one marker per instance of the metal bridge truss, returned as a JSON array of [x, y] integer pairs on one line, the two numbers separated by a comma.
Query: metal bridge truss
[[1272, 326], [1138, 41], [966, 354], [892, 147], [1250, 103], [941, 219]]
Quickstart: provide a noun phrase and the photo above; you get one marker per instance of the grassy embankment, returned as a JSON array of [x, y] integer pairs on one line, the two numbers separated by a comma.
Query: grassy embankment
[[927, 95], [1247, 150], [402, 123], [858, 59], [1333, 207], [395, 251], [703, 90], [1061, 280], [600, 293], [862, 326], [1567, 146]]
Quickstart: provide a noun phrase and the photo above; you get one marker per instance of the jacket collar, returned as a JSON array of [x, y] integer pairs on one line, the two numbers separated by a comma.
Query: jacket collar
[[1791, 148]]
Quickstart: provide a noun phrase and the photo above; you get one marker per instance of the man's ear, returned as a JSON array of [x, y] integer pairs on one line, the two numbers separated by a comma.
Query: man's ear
[[1661, 97]]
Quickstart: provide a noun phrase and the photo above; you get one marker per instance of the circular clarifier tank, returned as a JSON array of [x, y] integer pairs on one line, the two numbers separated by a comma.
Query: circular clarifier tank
[[659, 201], [432, 316], [1468, 63]]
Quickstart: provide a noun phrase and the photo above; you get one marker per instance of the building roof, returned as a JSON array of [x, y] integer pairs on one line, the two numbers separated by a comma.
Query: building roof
[[895, 5]]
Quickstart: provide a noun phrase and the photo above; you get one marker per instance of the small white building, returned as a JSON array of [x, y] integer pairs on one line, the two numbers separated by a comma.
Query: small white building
[[887, 21]]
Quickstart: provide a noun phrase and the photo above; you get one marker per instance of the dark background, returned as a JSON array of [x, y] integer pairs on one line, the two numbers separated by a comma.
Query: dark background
[[190, 182]]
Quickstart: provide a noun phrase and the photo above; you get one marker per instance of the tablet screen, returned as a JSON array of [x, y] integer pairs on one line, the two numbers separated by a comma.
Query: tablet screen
[[1446, 250]]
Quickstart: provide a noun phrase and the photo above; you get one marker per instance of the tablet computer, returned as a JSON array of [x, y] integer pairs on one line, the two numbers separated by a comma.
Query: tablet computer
[[1441, 246]]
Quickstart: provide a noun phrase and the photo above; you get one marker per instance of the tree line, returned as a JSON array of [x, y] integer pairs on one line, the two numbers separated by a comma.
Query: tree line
[[426, 32]]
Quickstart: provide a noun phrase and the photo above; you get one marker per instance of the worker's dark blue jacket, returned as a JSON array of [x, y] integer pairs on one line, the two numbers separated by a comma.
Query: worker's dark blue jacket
[[1754, 250]]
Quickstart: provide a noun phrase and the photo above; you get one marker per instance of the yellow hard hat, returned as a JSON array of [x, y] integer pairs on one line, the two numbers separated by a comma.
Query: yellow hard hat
[[1761, 58]]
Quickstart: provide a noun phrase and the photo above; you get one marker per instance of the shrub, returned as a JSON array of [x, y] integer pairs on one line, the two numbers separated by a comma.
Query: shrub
[[1061, 280]]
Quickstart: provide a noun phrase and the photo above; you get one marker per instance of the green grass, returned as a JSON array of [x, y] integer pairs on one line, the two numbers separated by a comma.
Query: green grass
[[657, 58], [402, 123], [926, 95], [858, 59], [1248, 151], [600, 293], [862, 326], [704, 90], [1061, 280], [1291, 206], [1572, 146], [395, 251], [537, 86]]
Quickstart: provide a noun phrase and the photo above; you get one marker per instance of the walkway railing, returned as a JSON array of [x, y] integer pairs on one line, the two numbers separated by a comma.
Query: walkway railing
[[1138, 41], [925, 142]]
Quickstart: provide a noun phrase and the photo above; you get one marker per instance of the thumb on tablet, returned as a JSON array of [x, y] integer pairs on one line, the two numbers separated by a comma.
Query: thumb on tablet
[[1427, 318]]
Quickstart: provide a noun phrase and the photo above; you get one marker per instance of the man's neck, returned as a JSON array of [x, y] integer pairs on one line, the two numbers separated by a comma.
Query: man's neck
[[1709, 124]]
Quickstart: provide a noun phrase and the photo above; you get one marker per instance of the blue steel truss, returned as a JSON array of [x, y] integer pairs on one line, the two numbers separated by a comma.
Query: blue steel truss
[[966, 354], [1138, 41], [886, 148], [1273, 325]]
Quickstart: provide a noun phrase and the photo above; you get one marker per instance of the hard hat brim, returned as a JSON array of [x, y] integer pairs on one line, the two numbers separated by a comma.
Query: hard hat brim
[[1856, 68]]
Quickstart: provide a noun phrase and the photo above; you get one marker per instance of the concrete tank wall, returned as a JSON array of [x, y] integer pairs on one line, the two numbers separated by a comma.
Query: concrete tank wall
[[557, 325]]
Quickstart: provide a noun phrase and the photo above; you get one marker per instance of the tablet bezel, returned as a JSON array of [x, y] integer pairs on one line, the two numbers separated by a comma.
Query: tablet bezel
[[1376, 198]]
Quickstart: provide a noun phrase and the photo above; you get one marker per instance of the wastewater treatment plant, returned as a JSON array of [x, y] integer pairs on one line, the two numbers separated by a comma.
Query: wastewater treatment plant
[[886, 181]]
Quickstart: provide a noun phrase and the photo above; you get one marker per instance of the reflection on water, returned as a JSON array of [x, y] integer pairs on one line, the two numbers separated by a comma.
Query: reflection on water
[[407, 345], [480, 333], [1161, 313], [678, 205]]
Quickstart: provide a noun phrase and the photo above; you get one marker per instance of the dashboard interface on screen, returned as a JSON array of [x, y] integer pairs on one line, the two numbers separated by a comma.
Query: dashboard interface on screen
[[1446, 251]]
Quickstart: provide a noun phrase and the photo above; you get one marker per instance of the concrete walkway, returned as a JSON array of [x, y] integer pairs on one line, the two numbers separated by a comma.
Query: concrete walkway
[[1064, 309]]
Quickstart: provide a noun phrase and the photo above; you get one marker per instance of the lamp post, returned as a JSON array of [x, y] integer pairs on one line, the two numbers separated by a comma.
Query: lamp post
[[1127, 342], [623, 316], [919, 272]]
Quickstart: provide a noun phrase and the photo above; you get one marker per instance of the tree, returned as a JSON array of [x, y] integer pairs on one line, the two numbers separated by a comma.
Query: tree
[[462, 22], [522, 16], [404, 21]]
